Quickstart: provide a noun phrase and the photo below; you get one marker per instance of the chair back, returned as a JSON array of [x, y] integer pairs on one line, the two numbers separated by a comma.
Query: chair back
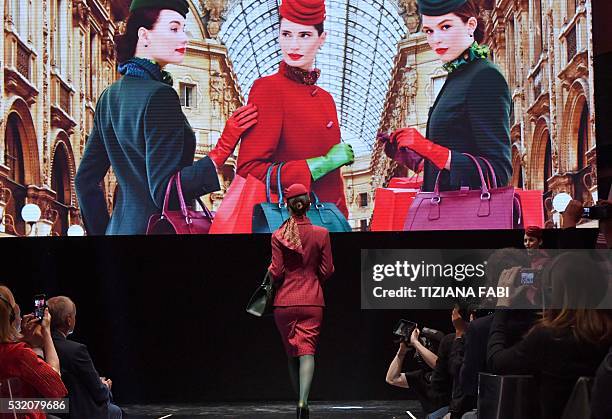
[[579, 403], [507, 397]]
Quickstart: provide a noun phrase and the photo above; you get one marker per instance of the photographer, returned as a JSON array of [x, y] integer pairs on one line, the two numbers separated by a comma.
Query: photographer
[[570, 341], [419, 380]]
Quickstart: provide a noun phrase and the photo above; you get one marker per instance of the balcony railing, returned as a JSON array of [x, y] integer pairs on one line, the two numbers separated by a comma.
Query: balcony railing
[[23, 61], [571, 43]]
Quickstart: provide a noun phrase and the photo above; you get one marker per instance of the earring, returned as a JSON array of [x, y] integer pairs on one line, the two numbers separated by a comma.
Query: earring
[[471, 35]]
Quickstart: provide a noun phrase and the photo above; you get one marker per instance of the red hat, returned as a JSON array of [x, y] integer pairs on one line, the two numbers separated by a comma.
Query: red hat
[[294, 190], [304, 12], [534, 231]]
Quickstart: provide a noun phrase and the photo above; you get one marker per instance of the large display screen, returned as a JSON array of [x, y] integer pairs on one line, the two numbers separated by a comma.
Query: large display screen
[[391, 119]]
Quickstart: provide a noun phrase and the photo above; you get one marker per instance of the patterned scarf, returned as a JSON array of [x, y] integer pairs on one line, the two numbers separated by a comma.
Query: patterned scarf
[[289, 235], [474, 52], [301, 76], [144, 68]]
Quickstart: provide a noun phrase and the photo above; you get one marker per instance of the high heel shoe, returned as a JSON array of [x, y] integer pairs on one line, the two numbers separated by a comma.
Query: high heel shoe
[[302, 412]]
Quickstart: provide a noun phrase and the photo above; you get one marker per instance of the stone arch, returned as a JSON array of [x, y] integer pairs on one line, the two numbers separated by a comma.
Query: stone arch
[[29, 141], [63, 149], [538, 157], [517, 167], [576, 101]]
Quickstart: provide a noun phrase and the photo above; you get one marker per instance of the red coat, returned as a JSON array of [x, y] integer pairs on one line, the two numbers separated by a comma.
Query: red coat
[[296, 122], [37, 378], [302, 274]]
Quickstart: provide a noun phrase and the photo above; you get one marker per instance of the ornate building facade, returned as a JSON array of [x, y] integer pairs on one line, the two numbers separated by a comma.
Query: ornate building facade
[[57, 57], [544, 48]]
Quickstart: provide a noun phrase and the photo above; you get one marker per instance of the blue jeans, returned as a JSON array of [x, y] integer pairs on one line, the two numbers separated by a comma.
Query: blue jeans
[[438, 414]]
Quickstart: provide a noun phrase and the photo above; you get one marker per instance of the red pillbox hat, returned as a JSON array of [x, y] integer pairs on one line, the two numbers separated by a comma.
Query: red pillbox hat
[[304, 12], [294, 190], [534, 231]]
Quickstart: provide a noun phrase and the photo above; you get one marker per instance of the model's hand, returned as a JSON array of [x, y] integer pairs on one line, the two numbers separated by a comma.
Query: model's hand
[[404, 156], [412, 139], [339, 155], [240, 121]]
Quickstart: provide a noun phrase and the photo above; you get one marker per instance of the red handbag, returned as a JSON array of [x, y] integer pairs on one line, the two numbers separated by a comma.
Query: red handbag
[[235, 215], [183, 221], [487, 208]]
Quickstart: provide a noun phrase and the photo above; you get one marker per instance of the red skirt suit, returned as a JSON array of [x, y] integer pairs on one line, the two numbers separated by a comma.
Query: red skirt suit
[[296, 122], [299, 302]]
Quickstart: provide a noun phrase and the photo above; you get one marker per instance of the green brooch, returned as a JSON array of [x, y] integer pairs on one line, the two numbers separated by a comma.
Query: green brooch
[[474, 52]]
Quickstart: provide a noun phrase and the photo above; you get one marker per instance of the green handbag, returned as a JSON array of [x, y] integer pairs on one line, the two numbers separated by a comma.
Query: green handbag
[[269, 216], [261, 303]]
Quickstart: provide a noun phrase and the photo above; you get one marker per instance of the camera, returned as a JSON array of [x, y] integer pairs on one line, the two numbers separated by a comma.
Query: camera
[[597, 212], [404, 329]]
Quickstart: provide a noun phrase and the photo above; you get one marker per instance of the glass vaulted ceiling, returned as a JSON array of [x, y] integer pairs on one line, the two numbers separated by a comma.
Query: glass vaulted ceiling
[[355, 62]]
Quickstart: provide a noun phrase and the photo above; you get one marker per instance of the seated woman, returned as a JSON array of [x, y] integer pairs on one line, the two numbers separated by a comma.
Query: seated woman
[[570, 340], [38, 377]]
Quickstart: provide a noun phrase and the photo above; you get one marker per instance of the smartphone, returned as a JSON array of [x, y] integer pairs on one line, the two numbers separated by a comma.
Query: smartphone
[[40, 303], [597, 212], [528, 276]]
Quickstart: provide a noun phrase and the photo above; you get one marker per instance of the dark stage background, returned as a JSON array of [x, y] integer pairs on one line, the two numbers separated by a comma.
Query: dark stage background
[[164, 316]]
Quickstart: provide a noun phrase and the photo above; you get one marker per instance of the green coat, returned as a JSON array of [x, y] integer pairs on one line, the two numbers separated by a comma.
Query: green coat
[[471, 115], [140, 130]]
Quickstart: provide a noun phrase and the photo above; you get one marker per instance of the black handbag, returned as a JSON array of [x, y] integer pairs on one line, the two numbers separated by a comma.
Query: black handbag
[[269, 216], [262, 301]]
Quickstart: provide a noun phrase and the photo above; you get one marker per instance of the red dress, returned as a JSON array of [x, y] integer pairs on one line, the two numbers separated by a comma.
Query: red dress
[[296, 121], [37, 377], [299, 299]]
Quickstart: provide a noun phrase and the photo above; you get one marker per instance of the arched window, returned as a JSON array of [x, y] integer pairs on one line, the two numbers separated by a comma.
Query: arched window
[[60, 183], [13, 158], [547, 161], [583, 137]]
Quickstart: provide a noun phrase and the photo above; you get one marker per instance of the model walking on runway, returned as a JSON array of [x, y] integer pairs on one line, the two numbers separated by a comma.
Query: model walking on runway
[[301, 263]]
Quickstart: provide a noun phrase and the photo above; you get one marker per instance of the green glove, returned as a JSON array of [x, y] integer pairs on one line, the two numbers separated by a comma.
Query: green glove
[[338, 156]]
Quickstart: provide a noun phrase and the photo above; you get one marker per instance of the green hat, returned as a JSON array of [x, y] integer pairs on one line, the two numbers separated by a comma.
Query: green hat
[[439, 7], [180, 6]]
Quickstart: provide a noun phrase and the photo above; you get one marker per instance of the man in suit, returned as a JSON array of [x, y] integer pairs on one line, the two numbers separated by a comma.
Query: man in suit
[[90, 395]]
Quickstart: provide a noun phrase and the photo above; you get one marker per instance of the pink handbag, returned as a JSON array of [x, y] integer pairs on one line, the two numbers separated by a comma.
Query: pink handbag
[[185, 220], [487, 208]]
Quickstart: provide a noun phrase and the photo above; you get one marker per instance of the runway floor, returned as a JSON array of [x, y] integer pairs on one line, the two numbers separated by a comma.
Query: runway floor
[[280, 410]]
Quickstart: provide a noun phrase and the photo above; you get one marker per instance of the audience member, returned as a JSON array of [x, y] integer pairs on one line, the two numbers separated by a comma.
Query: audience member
[[477, 333], [570, 341], [38, 377], [90, 395]]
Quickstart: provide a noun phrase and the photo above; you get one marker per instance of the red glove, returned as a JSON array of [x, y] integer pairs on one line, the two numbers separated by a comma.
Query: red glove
[[240, 121], [412, 139]]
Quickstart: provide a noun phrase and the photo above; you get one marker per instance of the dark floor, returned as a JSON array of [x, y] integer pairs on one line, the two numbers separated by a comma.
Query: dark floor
[[279, 410]]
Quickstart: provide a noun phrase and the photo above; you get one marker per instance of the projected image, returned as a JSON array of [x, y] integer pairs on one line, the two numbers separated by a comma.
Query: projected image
[[395, 115]]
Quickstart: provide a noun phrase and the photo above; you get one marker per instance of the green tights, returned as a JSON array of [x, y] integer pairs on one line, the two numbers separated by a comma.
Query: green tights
[[301, 371]]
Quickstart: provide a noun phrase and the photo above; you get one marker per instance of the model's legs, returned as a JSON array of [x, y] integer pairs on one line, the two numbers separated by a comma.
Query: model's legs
[[294, 373], [307, 365]]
